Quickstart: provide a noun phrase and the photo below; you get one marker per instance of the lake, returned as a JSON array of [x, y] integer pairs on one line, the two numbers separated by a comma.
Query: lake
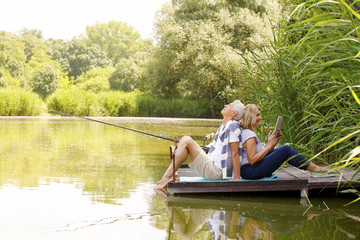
[[68, 178]]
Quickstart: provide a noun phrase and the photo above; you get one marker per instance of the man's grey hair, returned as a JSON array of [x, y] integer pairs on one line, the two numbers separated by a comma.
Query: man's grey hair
[[240, 108]]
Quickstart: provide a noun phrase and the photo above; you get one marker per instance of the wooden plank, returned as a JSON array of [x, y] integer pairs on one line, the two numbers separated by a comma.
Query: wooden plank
[[341, 180], [290, 179], [232, 187]]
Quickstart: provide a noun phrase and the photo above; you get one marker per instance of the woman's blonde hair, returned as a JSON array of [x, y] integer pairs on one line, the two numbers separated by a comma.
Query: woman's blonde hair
[[249, 118]]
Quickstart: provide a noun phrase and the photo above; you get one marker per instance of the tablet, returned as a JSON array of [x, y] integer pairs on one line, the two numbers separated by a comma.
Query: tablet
[[278, 125]]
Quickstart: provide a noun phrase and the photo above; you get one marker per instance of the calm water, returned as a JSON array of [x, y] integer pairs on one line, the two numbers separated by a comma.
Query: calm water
[[66, 178]]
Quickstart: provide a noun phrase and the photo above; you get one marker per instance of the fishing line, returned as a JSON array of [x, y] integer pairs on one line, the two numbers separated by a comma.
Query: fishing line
[[115, 125], [216, 96]]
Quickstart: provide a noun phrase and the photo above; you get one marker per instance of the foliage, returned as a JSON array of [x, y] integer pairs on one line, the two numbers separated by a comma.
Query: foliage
[[201, 43], [18, 102], [95, 80], [86, 103], [74, 101], [77, 56], [42, 74], [312, 78], [149, 106], [126, 76], [115, 103], [33, 32], [31, 42], [45, 80], [118, 39], [12, 60]]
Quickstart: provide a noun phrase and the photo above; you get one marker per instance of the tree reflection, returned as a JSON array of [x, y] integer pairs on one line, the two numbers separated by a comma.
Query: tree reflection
[[192, 217]]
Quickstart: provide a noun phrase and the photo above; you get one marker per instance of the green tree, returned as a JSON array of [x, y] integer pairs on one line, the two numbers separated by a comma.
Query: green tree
[[201, 43], [126, 76], [96, 80], [34, 32], [77, 56], [42, 73], [118, 39], [31, 39], [12, 59], [45, 80]]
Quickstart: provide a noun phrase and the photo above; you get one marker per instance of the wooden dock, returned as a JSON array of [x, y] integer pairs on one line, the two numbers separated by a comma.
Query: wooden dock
[[290, 179]]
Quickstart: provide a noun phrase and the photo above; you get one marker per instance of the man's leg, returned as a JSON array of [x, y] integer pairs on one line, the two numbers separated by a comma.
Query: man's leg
[[186, 147]]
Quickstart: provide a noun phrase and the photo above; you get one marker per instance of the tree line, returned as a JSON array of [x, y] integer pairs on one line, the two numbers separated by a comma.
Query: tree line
[[196, 54], [112, 51]]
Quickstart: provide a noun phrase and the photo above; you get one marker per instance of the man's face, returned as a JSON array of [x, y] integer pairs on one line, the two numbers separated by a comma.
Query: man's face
[[227, 110]]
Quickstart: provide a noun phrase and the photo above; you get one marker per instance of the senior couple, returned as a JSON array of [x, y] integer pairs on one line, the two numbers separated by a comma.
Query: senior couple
[[257, 161]]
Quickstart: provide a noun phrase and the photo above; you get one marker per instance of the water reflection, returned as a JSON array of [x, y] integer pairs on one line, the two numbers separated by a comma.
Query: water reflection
[[240, 218]]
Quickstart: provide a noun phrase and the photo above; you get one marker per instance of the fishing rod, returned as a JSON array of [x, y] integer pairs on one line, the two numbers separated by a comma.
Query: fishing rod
[[115, 125]]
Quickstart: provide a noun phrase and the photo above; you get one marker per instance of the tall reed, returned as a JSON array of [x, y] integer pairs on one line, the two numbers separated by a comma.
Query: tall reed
[[18, 102], [311, 75], [118, 103], [114, 103], [74, 101], [150, 106]]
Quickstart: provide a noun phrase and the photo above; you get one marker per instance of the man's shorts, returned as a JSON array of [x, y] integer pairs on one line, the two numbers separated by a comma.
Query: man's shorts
[[205, 167]]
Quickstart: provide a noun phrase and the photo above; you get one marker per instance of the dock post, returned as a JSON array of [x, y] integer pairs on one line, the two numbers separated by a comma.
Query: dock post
[[173, 163], [173, 158], [304, 193]]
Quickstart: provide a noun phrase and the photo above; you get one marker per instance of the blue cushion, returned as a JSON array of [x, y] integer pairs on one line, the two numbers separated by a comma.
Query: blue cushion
[[201, 179]]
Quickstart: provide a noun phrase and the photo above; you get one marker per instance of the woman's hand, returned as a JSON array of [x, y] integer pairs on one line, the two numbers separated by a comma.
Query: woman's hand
[[272, 139]]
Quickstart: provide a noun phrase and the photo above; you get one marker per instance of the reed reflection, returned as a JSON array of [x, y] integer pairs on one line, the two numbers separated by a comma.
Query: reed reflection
[[222, 219]]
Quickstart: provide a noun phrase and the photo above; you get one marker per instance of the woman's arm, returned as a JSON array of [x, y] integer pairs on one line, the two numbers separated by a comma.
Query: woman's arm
[[235, 157], [250, 146], [252, 155]]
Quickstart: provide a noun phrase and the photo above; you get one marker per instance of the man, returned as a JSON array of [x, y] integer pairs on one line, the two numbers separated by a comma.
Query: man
[[224, 148]]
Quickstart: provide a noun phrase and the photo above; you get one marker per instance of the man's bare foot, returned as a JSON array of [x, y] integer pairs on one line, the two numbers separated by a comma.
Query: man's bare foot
[[176, 175], [163, 183]]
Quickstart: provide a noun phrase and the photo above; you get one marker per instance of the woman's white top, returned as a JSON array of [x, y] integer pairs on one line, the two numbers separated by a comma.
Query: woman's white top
[[245, 135]]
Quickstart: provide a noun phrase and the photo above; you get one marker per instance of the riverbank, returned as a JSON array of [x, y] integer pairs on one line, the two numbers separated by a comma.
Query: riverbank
[[18, 102]]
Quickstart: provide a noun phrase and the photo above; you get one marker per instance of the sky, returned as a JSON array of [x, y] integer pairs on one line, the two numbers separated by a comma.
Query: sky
[[66, 19]]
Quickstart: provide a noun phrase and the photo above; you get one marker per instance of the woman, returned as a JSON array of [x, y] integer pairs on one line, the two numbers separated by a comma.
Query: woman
[[258, 161]]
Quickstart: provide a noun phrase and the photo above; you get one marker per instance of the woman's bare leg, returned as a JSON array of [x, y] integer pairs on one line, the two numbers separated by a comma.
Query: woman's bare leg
[[187, 148], [315, 168]]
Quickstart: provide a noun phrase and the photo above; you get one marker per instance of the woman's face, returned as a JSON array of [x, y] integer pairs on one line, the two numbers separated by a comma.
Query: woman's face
[[258, 118]]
